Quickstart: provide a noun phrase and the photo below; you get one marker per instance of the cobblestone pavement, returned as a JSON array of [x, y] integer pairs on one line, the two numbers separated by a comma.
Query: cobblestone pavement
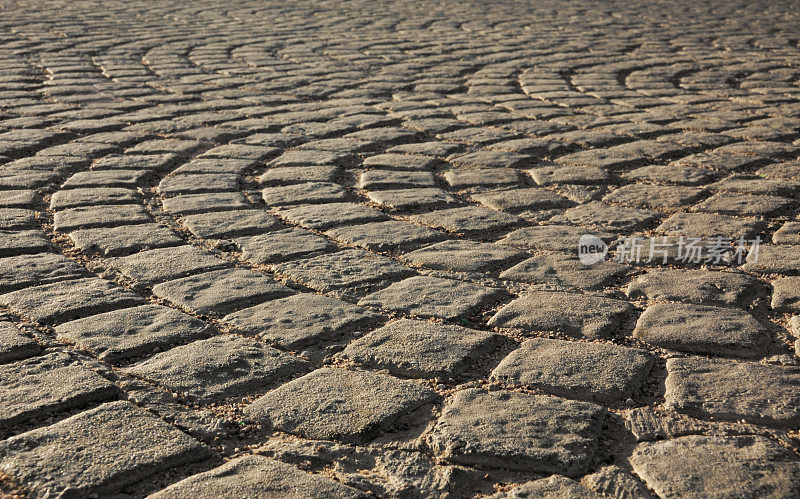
[[330, 249]]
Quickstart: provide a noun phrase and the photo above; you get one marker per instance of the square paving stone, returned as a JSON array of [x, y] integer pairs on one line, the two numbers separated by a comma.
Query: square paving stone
[[257, 476], [697, 286], [189, 204], [565, 270], [420, 349], [563, 238], [403, 161], [349, 406], [706, 226], [16, 219], [221, 291], [68, 300], [733, 390], [789, 233], [463, 256], [344, 271], [229, 224], [308, 157], [302, 320], [516, 200], [22, 198], [703, 329], [607, 217], [486, 177], [587, 371], [306, 193], [718, 466], [71, 198], [46, 384], [571, 313], [786, 294], [554, 487], [744, 205], [671, 174], [88, 217], [121, 334], [299, 175], [466, 220], [324, 216], [654, 196], [118, 241], [157, 265], [106, 178], [549, 175], [517, 431], [21, 271], [198, 183], [425, 296], [388, 236], [281, 245], [97, 452], [387, 179], [14, 344], [219, 368], [774, 259], [411, 198], [23, 242]]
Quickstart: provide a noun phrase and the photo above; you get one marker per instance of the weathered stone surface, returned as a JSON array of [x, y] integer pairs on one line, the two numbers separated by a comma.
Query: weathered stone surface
[[301, 320], [404, 199], [586, 371], [746, 205], [72, 198], [425, 296], [515, 200], [774, 259], [121, 334], [549, 434], [555, 487], [706, 226], [29, 270], [703, 329], [88, 217], [351, 406], [118, 241], [22, 242], [158, 265], [654, 196], [568, 175], [72, 456], [257, 476], [571, 313], [726, 389], [49, 383], [697, 286], [467, 220], [188, 204], [14, 344], [64, 301], [463, 256], [717, 466], [565, 271], [420, 349], [786, 294], [221, 291], [563, 238], [608, 217], [383, 179], [299, 174], [789, 233], [309, 192], [229, 224], [219, 368], [391, 235], [281, 245], [324, 216]]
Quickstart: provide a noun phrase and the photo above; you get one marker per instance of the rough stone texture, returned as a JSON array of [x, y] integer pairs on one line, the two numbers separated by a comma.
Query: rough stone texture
[[420, 349], [727, 389], [218, 368], [351, 406], [555, 487], [588, 371], [552, 237], [703, 329], [718, 466], [46, 384], [463, 256], [14, 344], [71, 457], [564, 271], [118, 241], [257, 476], [129, 332], [571, 313], [153, 266], [697, 286], [281, 245], [517, 431]]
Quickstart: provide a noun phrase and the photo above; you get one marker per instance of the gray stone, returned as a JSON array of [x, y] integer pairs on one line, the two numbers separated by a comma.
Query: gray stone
[[563, 238], [420, 349], [16, 219], [228, 224], [654, 196], [126, 333], [706, 226], [106, 178], [221, 291], [188, 204], [18, 272], [565, 271], [549, 175], [64, 301], [219, 368], [23, 242], [46, 384], [789, 233], [786, 294], [14, 344], [257, 476], [73, 456], [463, 256], [744, 205], [88, 217], [732, 390], [118, 241], [575, 314], [157, 265], [515, 200], [382, 179], [416, 198], [607, 217], [588, 371], [196, 183], [703, 329], [70, 198], [517, 431], [403, 161], [462, 179], [425, 296], [281, 245], [302, 320], [306, 193], [388, 236], [22, 198], [466, 220], [350, 406], [555, 487], [697, 286], [671, 174], [718, 466], [324, 216], [774, 259], [299, 174]]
